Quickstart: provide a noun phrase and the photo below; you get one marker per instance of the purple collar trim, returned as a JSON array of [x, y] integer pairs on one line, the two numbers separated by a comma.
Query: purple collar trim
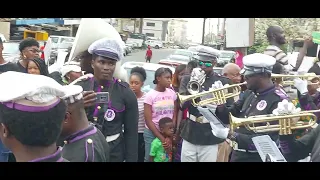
[[56, 157], [81, 134], [25, 108]]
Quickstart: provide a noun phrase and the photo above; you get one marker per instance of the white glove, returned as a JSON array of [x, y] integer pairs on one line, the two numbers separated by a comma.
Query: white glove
[[285, 107], [301, 85], [221, 133], [196, 74]]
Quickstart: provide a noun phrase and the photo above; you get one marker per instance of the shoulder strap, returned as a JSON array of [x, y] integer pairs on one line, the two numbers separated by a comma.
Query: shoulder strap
[[89, 150]]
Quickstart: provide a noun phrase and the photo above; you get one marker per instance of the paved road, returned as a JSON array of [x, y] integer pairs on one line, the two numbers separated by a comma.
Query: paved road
[[158, 54]]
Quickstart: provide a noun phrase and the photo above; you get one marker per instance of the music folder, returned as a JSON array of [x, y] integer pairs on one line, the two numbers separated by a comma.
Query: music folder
[[268, 149]]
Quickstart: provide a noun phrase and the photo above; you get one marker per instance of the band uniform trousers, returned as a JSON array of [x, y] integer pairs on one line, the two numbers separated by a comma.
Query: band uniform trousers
[[198, 153]]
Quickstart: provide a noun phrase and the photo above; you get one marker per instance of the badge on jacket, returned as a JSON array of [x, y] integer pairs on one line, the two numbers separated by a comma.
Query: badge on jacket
[[109, 115], [262, 105]]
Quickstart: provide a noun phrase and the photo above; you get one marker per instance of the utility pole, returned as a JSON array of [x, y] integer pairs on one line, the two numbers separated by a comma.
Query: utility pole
[[203, 29], [223, 33]]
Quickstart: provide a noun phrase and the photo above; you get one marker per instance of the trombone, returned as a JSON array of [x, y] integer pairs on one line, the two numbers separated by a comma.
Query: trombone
[[284, 124], [216, 96], [283, 78]]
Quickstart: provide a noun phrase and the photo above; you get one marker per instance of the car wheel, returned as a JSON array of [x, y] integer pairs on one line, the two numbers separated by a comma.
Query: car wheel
[[157, 47]]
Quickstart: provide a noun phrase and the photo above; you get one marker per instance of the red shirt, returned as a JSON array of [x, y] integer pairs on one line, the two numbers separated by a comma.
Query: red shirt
[[149, 53]]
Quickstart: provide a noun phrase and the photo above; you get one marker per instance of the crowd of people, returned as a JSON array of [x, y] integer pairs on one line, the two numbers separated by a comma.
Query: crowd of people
[[84, 114]]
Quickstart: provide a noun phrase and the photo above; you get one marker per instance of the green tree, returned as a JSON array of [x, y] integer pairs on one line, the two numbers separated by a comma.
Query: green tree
[[294, 28]]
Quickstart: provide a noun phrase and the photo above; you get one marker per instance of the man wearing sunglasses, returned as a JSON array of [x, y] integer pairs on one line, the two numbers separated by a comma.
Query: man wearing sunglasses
[[261, 98], [199, 143]]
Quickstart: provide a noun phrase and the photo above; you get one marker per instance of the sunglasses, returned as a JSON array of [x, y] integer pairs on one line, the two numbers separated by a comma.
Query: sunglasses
[[207, 64]]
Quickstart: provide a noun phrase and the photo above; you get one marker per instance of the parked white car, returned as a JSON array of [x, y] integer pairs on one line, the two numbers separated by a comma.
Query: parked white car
[[154, 43], [150, 70]]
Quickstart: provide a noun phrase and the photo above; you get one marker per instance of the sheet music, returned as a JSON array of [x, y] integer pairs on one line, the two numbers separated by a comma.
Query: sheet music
[[265, 145], [218, 128]]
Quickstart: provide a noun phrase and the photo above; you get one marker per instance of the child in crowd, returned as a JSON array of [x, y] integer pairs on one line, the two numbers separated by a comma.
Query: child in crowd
[[157, 152]]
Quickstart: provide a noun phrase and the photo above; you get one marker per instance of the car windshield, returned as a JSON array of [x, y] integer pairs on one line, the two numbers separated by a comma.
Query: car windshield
[[10, 48], [226, 55], [183, 53], [148, 84]]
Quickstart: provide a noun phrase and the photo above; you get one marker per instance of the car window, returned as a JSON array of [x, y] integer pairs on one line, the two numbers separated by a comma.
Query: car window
[[10, 48], [148, 84], [67, 40], [54, 39]]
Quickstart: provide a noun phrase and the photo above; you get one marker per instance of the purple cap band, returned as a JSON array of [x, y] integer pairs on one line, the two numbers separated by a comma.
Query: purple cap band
[[107, 54], [26, 108]]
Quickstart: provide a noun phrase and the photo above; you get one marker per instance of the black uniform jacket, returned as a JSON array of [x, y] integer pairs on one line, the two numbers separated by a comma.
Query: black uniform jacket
[[120, 115], [194, 132], [253, 104], [296, 149], [56, 157], [88, 145]]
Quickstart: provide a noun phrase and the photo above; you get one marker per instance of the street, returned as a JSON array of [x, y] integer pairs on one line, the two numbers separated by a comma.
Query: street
[[139, 56]]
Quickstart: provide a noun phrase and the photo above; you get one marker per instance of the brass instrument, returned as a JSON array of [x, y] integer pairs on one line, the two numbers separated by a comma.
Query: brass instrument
[[285, 123], [218, 96], [194, 86], [290, 82]]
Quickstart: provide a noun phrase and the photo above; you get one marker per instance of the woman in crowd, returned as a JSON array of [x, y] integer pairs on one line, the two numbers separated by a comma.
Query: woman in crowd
[[178, 73], [37, 66], [159, 103], [137, 78], [29, 49]]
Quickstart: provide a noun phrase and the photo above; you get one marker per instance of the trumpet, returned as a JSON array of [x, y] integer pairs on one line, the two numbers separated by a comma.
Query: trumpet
[[285, 125], [290, 82], [218, 96], [194, 85]]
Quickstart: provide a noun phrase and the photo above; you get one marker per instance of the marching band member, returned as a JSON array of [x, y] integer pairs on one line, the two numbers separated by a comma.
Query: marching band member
[[261, 98], [231, 71], [31, 116], [118, 118], [309, 97], [199, 144], [297, 149], [83, 141]]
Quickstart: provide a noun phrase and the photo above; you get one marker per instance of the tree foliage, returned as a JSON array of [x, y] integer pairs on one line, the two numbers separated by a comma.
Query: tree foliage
[[294, 28]]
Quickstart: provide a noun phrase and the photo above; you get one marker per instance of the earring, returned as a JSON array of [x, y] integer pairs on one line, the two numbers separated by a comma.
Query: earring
[[24, 56]]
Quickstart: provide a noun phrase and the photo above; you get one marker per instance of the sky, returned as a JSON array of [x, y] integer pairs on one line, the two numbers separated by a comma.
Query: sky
[[194, 26]]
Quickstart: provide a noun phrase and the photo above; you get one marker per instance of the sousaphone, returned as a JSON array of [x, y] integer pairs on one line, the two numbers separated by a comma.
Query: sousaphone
[[91, 30]]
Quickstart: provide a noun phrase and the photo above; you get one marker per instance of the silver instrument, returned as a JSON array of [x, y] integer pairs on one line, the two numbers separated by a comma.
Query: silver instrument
[[198, 76]]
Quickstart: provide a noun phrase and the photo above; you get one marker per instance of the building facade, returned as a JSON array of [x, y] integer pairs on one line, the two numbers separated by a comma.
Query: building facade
[[177, 30], [155, 27]]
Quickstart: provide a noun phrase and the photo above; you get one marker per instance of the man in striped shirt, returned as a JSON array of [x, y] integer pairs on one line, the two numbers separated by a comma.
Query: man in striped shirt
[[276, 38]]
